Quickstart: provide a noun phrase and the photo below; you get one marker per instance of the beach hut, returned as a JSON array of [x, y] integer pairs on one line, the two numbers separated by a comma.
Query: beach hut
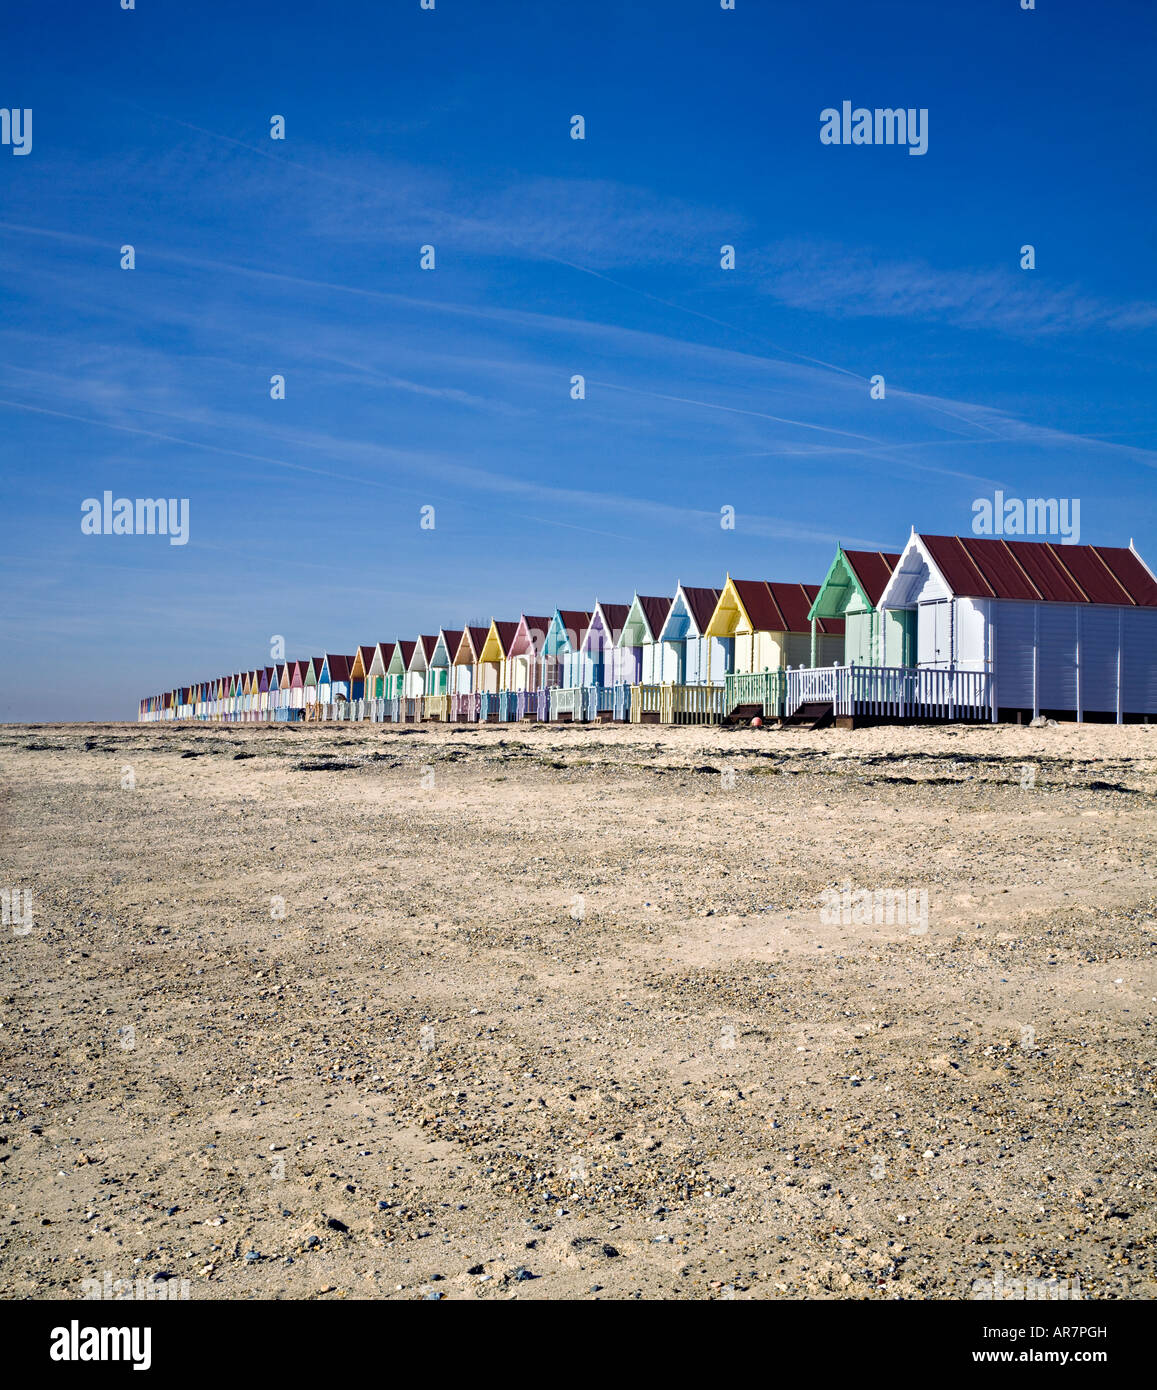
[[561, 662], [283, 675], [400, 708], [312, 676], [297, 671], [439, 671], [637, 656], [526, 667], [638, 653], [767, 622], [419, 665], [596, 667], [852, 590], [363, 659], [1009, 628], [333, 684], [689, 656], [396, 670], [467, 703], [376, 677], [494, 672], [687, 669]]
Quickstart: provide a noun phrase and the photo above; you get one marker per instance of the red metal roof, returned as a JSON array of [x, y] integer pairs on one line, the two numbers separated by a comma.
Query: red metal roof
[[575, 624], [873, 568], [615, 616], [783, 607], [530, 627], [655, 611], [367, 655], [992, 567], [339, 667], [407, 650], [702, 603], [453, 636], [506, 635], [428, 645]]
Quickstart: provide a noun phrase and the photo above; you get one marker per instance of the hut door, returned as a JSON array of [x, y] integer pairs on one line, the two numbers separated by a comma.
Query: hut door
[[906, 622], [933, 634]]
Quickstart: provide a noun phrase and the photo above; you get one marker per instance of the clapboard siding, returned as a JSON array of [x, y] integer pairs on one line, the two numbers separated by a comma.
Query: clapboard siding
[[1099, 628], [1015, 624], [1139, 666]]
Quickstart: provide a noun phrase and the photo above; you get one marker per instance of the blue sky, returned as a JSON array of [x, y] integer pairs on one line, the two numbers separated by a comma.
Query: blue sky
[[451, 387]]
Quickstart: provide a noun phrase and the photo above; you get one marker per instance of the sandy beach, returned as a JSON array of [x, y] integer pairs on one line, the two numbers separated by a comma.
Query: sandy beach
[[355, 1011]]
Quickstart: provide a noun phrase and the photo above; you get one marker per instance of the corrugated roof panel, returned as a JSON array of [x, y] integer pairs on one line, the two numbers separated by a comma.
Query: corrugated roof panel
[[873, 568], [655, 611], [1049, 580], [1095, 576], [702, 603], [988, 567], [960, 570], [1138, 582], [506, 635]]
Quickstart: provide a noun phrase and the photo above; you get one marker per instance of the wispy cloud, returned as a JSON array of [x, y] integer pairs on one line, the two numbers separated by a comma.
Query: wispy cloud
[[850, 282]]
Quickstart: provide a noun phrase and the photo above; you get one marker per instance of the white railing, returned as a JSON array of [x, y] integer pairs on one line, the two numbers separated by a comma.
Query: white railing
[[575, 700], [895, 692]]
